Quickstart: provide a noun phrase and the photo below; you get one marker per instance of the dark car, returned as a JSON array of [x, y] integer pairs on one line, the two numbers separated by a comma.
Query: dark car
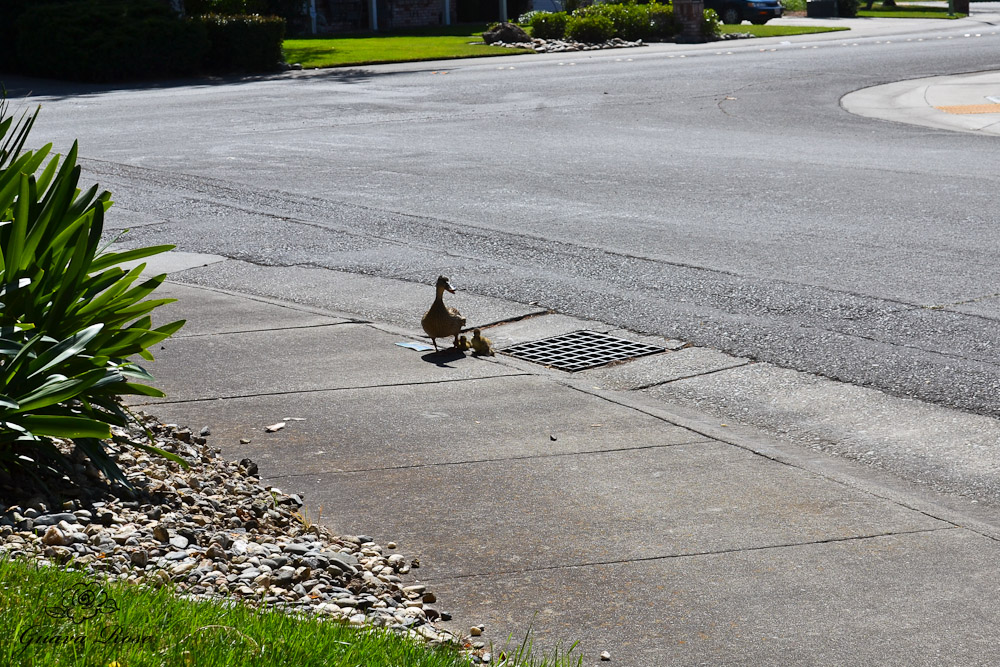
[[757, 12]]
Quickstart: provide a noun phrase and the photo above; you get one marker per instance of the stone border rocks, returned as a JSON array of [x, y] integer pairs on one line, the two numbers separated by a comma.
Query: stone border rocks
[[213, 531], [560, 45], [564, 45]]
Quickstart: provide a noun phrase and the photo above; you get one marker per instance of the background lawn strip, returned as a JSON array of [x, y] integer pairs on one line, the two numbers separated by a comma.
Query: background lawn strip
[[411, 46], [778, 30]]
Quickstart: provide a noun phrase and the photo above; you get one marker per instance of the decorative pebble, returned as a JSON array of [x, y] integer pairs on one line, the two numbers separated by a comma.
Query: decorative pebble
[[213, 530]]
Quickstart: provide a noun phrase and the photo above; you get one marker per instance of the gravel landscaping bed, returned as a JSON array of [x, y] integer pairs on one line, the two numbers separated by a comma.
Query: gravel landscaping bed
[[213, 531], [563, 45], [560, 45]]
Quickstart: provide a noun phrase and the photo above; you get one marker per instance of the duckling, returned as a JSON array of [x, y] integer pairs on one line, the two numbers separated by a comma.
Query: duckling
[[463, 344], [481, 345], [442, 321]]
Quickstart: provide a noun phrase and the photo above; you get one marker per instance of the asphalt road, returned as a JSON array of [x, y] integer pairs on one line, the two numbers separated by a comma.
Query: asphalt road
[[717, 194]]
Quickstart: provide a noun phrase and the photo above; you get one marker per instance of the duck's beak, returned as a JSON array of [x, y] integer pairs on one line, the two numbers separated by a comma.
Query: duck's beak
[[449, 288]]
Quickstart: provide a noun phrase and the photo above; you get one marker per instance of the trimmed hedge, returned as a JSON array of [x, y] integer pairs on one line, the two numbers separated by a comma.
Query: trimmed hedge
[[711, 25], [662, 24], [107, 40], [548, 25], [226, 7], [630, 21], [243, 43], [847, 8], [120, 40], [290, 10], [590, 29]]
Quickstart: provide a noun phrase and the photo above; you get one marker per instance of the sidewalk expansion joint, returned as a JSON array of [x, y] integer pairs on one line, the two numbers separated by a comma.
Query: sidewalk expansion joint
[[691, 376], [238, 332], [264, 299], [693, 554], [290, 392], [525, 457], [905, 500]]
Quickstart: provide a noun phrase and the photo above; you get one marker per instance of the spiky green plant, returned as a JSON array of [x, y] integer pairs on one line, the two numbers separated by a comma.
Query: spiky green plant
[[70, 316]]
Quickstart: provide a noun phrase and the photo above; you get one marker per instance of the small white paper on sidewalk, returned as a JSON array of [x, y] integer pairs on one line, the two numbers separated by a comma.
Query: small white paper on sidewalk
[[419, 347]]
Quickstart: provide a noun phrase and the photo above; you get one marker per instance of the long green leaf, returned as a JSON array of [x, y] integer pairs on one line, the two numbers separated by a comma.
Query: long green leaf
[[62, 426], [68, 288], [13, 144], [134, 389], [115, 258], [27, 163], [21, 359], [65, 349], [45, 178], [134, 372], [53, 213], [12, 253], [94, 449], [160, 452], [60, 389], [170, 329], [66, 235], [109, 297]]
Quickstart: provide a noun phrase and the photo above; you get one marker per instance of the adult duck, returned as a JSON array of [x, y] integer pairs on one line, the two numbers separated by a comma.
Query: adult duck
[[442, 321]]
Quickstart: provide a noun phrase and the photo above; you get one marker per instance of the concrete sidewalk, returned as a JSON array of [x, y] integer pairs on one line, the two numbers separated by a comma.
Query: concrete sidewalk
[[580, 505]]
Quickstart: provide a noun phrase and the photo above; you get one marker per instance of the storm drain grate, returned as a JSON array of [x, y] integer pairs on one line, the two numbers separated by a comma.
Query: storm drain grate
[[580, 350]]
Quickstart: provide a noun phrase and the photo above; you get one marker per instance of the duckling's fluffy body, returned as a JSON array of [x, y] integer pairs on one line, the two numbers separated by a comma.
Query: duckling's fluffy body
[[481, 345], [442, 321]]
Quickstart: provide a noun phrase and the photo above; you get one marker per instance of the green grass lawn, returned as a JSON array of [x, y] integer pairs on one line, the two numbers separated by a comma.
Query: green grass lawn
[[440, 43], [427, 44], [50, 616], [906, 12], [777, 30]]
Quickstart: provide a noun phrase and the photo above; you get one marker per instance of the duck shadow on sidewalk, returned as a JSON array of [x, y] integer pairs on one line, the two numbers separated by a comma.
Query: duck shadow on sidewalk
[[443, 357]]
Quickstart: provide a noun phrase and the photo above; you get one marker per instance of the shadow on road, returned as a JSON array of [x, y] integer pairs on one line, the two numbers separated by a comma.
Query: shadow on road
[[22, 87]]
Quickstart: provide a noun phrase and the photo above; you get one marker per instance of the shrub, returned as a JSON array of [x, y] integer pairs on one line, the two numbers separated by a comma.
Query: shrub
[[232, 7], [70, 317], [107, 40], [847, 8], [290, 10], [630, 21], [590, 29], [662, 24], [711, 25], [525, 18], [243, 43], [549, 25]]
